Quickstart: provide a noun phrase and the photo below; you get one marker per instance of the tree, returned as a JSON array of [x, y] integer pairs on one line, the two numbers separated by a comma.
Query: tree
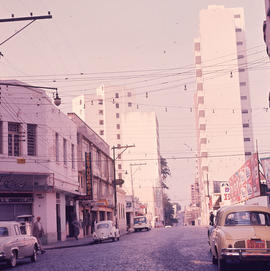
[[165, 172]]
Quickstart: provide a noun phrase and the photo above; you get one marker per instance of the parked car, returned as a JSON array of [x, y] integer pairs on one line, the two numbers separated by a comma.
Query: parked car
[[15, 245], [141, 223], [240, 233], [106, 230]]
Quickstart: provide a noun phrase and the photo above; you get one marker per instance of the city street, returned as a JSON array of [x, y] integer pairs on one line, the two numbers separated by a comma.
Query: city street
[[177, 248]]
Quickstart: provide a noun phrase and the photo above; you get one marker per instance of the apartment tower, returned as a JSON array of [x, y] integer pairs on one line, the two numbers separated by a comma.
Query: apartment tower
[[222, 100]]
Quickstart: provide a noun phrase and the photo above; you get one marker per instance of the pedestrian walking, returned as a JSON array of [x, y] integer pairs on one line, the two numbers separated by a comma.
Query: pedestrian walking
[[76, 226], [38, 232], [211, 218]]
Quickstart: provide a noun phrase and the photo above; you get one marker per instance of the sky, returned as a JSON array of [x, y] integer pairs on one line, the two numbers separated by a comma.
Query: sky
[[145, 45]]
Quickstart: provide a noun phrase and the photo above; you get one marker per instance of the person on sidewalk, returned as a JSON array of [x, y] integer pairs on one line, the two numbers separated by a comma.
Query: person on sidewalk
[[38, 232], [76, 225]]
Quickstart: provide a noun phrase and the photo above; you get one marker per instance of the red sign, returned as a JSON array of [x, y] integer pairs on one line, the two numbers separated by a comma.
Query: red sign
[[244, 184]]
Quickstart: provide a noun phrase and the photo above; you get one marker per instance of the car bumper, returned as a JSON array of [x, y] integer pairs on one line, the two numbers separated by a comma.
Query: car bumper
[[246, 254]]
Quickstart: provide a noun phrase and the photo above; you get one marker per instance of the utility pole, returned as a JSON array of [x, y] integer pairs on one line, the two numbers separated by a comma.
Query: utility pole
[[114, 176], [30, 18]]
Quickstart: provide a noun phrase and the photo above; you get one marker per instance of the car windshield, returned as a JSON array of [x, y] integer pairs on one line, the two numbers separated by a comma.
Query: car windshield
[[102, 226], [3, 231], [139, 220], [248, 218]]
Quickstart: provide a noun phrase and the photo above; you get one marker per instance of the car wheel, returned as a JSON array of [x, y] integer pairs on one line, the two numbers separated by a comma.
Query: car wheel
[[13, 260], [34, 255], [222, 265], [118, 238]]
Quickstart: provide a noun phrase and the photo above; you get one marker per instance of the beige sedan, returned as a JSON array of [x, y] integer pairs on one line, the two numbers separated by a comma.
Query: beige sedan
[[241, 233], [15, 245]]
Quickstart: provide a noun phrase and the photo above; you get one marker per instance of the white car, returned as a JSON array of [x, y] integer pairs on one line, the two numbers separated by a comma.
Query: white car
[[15, 245], [105, 230]]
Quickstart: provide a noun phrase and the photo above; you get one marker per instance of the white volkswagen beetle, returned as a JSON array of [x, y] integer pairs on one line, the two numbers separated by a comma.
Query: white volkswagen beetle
[[15, 245], [105, 230]]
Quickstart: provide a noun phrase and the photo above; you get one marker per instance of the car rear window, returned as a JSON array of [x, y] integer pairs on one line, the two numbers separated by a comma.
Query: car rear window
[[3, 231], [251, 218], [102, 226], [139, 220]]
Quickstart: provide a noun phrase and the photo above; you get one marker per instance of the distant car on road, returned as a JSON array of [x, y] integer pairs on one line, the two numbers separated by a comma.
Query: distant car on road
[[106, 230], [141, 223], [15, 245], [240, 233]]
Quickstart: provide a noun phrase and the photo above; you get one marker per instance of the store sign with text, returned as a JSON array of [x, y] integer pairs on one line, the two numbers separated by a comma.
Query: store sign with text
[[88, 174], [244, 184]]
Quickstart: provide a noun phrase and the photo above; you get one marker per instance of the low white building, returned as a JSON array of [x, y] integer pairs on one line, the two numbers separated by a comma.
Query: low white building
[[38, 172]]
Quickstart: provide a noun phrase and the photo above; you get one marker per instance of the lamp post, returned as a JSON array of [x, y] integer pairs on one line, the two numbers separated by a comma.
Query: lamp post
[[117, 181]]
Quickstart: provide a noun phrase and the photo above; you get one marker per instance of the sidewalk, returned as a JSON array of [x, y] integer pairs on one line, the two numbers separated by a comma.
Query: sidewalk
[[70, 242]]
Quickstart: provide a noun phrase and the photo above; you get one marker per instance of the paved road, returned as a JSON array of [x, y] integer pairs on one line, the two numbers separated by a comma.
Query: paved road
[[178, 248]]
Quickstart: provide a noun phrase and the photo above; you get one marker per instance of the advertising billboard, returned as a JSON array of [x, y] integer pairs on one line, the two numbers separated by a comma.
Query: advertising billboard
[[244, 184]]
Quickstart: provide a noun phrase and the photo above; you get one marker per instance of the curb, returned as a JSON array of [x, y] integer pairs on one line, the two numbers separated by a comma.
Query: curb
[[69, 246]]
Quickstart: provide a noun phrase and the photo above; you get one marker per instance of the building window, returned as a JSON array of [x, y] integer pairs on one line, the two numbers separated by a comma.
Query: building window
[[129, 104], [246, 139], [199, 86], [116, 95], [216, 186], [244, 111], [119, 166], [1, 137], [240, 56], [118, 136], [13, 139], [198, 60], [202, 127], [243, 98], [243, 84], [199, 73], [100, 112], [239, 43], [65, 151], [197, 46], [200, 100], [204, 154], [241, 70], [56, 146], [245, 125], [100, 101], [203, 141], [248, 153], [31, 139], [101, 132], [72, 156], [117, 126], [202, 113], [129, 94], [119, 175], [117, 105], [238, 30], [117, 115], [236, 16], [101, 122], [80, 102]]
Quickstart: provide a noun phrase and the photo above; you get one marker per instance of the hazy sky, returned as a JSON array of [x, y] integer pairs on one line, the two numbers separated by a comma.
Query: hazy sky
[[145, 45]]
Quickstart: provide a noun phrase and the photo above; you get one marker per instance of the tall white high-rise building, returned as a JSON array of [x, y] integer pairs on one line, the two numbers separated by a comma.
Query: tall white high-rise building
[[222, 99], [113, 114], [103, 111], [143, 162]]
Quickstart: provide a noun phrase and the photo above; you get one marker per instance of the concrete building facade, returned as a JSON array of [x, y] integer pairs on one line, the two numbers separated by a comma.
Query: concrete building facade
[[38, 172], [222, 100]]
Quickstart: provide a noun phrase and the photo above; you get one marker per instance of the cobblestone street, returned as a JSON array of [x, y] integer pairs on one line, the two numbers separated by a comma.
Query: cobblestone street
[[171, 249]]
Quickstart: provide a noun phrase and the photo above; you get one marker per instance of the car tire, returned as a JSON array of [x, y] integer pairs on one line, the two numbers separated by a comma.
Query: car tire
[[34, 255], [222, 265], [13, 260]]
